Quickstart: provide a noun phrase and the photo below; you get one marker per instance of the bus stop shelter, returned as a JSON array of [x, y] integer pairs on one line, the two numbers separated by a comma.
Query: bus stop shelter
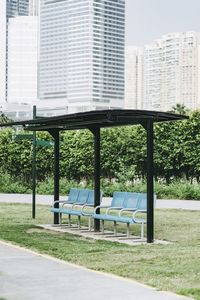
[[94, 121]]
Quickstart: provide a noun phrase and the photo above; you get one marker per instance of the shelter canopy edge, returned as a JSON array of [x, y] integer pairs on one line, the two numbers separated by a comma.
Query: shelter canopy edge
[[101, 118]]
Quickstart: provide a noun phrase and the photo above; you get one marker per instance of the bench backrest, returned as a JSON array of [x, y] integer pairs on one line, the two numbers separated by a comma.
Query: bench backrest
[[118, 199], [90, 199], [142, 203], [73, 195], [83, 196], [132, 200]]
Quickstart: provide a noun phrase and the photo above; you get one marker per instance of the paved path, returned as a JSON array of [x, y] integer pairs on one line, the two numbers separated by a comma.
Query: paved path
[[41, 199], [25, 275]]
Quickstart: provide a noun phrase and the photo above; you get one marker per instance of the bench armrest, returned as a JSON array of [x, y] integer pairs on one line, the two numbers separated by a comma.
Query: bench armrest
[[127, 210], [59, 201], [67, 203], [112, 208], [77, 204], [87, 213], [138, 211], [100, 206]]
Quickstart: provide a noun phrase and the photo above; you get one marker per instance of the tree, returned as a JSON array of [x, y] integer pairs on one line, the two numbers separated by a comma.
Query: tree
[[180, 109], [4, 118]]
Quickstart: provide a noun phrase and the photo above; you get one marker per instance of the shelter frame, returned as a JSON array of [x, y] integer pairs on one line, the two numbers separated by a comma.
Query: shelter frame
[[94, 121]]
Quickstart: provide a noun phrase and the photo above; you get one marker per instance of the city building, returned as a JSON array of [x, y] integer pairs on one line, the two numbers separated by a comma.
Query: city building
[[33, 7], [133, 77], [22, 60], [82, 54], [17, 56], [3, 38], [17, 8], [172, 72]]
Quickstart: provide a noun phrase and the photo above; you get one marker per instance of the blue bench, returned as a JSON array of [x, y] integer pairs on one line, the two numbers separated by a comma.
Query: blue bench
[[124, 202], [77, 204], [72, 198]]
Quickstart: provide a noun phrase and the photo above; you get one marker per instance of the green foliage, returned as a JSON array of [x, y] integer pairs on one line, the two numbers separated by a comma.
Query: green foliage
[[9, 185], [16, 157], [177, 148], [180, 109], [175, 190], [47, 187], [77, 155], [191, 292], [123, 156], [4, 118], [178, 190]]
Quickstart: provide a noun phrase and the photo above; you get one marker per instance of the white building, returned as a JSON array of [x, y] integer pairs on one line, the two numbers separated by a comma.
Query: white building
[[33, 7], [22, 60], [133, 77], [172, 72], [2, 51], [9, 10], [17, 53], [82, 54]]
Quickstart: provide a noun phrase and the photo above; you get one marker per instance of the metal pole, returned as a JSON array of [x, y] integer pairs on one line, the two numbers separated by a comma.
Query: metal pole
[[34, 167], [56, 136], [97, 172], [150, 187]]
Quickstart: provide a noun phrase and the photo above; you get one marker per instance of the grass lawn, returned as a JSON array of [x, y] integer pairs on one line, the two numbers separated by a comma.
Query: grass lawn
[[174, 267]]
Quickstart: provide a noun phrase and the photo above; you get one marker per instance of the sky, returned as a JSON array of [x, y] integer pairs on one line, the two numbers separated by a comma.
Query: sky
[[147, 20]]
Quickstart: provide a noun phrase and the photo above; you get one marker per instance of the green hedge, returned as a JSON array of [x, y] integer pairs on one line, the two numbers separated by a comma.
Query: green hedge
[[175, 190], [123, 156]]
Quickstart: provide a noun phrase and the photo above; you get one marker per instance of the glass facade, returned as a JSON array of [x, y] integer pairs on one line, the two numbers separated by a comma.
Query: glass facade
[[17, 8], [82, 51]]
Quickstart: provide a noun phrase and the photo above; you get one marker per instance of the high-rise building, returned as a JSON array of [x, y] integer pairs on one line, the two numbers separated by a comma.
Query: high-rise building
[[9, 10], [82, 53], [33, 7], [22, 60], [133, 77], [17, 8], [3, 50], [172, 72]]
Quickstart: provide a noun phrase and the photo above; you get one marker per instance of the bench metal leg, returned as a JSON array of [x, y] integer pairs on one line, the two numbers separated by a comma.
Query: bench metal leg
[[128, 230], [115, 228], [60, 219], [69, 220], [142, 231], [90, 223], [79, 222], [102, 224]]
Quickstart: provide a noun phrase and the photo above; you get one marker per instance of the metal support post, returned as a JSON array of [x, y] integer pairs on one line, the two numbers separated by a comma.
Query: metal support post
[[79, 222], [97, 171], [56, 135], [69, 221], [150, 187], [34, 167], [102, 225], [115, 228]]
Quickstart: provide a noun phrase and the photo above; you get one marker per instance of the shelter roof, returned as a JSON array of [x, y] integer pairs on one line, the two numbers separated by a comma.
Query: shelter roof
[[101, 118]]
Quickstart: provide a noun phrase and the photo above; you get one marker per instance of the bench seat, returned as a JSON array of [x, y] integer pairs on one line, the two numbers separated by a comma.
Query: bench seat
[[115, 218], [83, 200], [63, 210], [124, 203]]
